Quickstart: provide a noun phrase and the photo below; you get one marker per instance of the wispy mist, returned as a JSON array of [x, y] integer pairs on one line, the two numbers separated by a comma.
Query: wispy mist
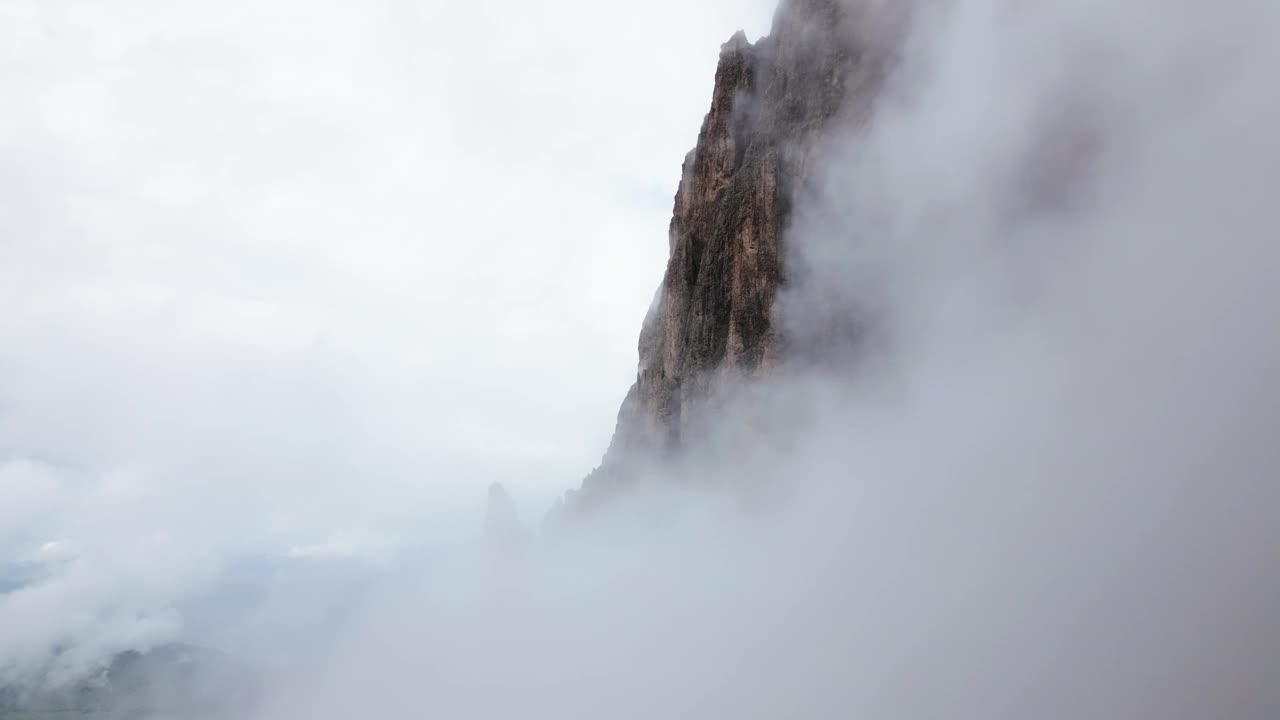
[[1041, 485], [1045, 487], [299, 282]]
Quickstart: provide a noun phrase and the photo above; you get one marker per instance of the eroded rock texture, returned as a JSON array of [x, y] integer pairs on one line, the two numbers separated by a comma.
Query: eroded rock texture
[[712, 324]]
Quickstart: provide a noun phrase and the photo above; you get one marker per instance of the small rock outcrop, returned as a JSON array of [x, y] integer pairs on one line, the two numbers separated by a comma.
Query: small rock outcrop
[[501, 520]]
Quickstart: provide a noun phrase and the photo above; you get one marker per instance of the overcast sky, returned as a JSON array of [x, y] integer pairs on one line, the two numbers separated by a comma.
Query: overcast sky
[[332, 267]]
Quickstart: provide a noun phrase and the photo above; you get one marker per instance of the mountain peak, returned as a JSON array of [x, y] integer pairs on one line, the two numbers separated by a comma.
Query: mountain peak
[[501, 520], [712, 324]]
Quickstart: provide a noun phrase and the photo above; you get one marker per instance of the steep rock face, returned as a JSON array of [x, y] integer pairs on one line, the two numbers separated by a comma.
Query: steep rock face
[[712, 323]]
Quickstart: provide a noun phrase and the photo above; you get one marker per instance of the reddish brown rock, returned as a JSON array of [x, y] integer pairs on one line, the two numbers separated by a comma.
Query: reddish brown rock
[[712, 323]]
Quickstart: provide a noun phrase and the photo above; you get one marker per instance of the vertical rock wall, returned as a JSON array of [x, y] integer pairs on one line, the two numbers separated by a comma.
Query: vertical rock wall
[[712, 322]]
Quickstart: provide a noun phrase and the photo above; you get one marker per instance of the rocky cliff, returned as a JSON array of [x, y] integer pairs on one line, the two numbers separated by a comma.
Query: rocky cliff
[[712, 323]]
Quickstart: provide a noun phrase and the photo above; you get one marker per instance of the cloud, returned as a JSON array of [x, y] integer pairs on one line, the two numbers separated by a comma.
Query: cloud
[[288, 276], [1046, 492]]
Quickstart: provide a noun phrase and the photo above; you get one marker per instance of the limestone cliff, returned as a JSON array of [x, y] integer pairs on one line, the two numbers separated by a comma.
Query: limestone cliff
[[712, 323]]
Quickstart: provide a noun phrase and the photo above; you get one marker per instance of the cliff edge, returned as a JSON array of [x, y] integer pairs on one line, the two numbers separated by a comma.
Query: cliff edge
[[712, 323]]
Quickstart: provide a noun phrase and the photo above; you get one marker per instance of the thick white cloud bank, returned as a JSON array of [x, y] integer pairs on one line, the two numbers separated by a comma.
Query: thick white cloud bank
[[1049, 490], [291, 275]]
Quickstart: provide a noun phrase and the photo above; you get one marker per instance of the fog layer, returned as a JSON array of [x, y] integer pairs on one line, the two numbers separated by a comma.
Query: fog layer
[[1046, 487]]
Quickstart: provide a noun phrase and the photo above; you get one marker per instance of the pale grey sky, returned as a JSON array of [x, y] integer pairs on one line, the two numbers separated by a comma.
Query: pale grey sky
[[332, 267]]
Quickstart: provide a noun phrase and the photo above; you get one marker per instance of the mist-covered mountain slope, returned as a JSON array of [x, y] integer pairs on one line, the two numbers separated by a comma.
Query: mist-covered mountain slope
[[174, 680], [712, 322]]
